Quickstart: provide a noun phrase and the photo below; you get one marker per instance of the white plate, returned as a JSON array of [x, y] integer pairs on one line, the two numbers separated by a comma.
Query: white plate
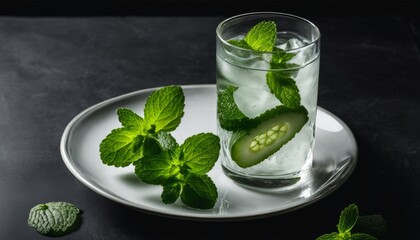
[[335, 157]]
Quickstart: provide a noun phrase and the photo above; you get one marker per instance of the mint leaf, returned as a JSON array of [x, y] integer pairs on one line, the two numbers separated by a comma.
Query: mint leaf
[[348, 218], [240, 43], [329, 236], [228, 113], [374, 225], [171, 191], [199, 192], [362, 236], [156, 169], [280, 56], [117, 148], [130, 119], [166, 141], [201, 152], [54, 218], [262, 36], [164, 109], [284, 88]]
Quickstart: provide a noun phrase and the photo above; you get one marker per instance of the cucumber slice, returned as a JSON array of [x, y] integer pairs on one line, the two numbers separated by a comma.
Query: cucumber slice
[[276, 128]]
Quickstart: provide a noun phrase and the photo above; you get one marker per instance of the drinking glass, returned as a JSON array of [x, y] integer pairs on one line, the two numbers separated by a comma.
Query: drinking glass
[[267, 97]]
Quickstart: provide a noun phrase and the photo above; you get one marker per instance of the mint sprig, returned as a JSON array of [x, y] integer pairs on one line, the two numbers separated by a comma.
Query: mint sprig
[[262, 37], [182, 171], [163, 112], [54, 218], [158, 159], [348, 221]]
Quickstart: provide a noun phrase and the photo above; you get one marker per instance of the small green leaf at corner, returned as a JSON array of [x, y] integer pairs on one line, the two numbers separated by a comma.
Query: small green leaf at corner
[[348, 218], [362, 236], [54, 218], [329, 236]]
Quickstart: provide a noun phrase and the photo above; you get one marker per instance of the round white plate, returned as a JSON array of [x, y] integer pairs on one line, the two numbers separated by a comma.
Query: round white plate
[[335, 158]]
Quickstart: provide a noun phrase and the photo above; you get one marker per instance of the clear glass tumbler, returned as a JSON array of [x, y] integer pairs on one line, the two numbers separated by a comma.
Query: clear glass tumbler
[[267, 89]]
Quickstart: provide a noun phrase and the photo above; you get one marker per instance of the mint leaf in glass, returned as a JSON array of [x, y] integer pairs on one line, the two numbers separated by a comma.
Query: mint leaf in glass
[[262, 37], [230, 117], [54, 218], [164, 109], [240, 43], [284, 88]]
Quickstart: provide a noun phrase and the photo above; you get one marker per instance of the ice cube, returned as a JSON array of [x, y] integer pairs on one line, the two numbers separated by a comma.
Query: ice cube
[[294, 43], [254, 101], [238, 75]]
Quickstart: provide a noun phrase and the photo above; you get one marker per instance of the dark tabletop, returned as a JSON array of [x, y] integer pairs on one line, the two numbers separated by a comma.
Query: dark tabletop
[[54, 67]]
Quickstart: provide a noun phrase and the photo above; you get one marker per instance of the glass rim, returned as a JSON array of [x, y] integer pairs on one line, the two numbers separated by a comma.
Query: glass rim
[[309, 44]]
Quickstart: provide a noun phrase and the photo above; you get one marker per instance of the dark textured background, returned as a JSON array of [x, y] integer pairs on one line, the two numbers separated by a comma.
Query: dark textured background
[[58, 58]]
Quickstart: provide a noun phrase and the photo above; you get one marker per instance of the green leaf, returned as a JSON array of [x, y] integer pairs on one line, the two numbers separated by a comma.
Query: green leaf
[[362, 236], [262, 37], [329, 236], [199, 192], [348, 218], [374, 225], [151, 146], [54, 218], [171, 191], [280, 56], [166, 141], [228, 113], [284, 88], [156, 169], [201, 152], [164, 109], [240, 43], [130, 119], [120, 147]]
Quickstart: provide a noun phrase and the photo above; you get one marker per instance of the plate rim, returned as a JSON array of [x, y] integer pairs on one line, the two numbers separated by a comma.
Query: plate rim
[[67, 159]]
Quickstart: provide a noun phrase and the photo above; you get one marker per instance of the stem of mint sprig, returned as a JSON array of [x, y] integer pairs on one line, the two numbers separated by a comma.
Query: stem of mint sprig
[[158, 159]]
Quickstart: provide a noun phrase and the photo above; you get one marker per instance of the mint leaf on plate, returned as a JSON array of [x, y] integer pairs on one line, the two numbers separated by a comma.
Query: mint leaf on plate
[[138, 137], [199, 192], [118, 147], [130, 119], [54, 218], [164, 109], [200, 152], [182, 171]]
